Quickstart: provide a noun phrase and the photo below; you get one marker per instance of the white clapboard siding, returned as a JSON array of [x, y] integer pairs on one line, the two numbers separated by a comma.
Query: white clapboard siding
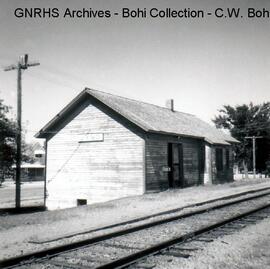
[[97, 171]]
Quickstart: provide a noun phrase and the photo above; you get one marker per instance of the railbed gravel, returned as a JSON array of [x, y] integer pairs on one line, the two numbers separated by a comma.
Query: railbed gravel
[[112, 249]]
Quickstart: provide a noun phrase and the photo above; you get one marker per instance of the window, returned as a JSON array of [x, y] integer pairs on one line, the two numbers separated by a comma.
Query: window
[[81, 202], [219, 159]]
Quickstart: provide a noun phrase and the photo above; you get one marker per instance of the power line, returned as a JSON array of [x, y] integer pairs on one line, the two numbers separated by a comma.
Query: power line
[[52, 81], [78, 81]]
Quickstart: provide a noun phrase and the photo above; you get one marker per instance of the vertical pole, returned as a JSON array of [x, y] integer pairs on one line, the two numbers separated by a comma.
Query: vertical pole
[[18, 138], [22, 65], [254, 156], [45, 175]]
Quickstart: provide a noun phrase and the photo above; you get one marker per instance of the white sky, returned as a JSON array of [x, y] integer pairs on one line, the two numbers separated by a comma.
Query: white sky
[[201, 63]]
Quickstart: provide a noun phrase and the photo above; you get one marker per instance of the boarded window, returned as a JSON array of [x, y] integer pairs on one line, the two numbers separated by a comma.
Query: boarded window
[[219, 159]]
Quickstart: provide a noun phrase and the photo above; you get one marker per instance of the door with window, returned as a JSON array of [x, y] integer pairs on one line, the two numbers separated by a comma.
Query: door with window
[[175, 162]]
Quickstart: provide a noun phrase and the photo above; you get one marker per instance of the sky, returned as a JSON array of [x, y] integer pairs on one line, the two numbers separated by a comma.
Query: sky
[[202, 63]]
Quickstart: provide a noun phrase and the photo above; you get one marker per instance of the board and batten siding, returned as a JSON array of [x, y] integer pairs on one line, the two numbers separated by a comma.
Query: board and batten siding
[[156, 155], [109, 166]]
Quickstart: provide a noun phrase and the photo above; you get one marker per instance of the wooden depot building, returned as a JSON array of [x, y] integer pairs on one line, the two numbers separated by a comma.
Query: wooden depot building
[[102, 147]]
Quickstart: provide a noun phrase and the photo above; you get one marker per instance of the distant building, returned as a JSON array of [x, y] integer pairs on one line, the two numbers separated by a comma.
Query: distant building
[[102, 147], [34, 171]]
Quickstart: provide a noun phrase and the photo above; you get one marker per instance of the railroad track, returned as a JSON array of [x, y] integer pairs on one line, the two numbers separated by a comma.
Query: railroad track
[[127, 247], [186, 246]]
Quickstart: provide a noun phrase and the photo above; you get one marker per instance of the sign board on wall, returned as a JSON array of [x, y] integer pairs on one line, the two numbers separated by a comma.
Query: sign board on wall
[[91, 137], [166, 169]]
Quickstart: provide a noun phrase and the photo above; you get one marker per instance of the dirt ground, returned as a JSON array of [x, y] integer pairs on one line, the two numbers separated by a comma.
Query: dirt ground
[[17, 230]]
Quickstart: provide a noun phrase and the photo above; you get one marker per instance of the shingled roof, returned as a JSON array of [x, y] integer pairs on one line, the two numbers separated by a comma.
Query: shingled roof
[[150, 118]]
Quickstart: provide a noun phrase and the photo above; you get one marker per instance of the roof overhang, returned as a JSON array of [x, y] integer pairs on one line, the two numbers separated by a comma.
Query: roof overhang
[[45, 131], [50, 127]]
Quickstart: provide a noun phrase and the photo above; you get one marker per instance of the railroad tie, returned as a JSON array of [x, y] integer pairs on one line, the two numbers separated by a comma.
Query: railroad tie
[[144, 265], [181, 248], [256, 217], [262, 216], [210, 237], [64, 264], [204, 239], [119, 246], [222, 231], [236, 226], [175, 254], [85, 258], [249, 221], [227, 229]]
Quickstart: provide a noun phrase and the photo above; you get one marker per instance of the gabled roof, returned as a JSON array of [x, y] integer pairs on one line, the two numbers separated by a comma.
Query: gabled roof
[[150, 118]]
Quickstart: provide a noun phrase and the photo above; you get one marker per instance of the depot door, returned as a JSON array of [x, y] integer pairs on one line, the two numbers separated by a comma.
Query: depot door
[[175, 163]]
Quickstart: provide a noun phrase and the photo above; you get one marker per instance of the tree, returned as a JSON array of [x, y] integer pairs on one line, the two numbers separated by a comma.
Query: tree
[[248, 120], [7, 139]]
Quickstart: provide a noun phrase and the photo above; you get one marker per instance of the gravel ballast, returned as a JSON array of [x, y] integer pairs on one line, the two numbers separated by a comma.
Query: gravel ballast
[[17, 230]]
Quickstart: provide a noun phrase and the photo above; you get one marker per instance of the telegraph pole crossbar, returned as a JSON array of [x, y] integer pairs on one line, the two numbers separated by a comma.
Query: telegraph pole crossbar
[[254, 151], [21, 65]]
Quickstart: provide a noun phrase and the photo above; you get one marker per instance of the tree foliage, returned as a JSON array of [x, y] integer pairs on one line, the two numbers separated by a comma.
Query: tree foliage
[[7, 142], [8, 130], [248, 120]]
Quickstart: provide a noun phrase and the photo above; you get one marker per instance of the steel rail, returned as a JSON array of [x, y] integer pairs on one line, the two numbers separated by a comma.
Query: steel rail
[[162, 213], [53, 251], [135, 257]]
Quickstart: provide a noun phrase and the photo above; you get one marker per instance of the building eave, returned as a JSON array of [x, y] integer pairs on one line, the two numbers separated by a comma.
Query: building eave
[[50, 128]]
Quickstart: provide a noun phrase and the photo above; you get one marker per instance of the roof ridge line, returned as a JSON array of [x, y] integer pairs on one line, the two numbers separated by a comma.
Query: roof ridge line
[[91, 89]]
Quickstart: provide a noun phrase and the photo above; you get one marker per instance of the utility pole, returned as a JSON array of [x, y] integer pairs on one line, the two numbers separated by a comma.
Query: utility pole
[[21, 65], [254, 151]]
